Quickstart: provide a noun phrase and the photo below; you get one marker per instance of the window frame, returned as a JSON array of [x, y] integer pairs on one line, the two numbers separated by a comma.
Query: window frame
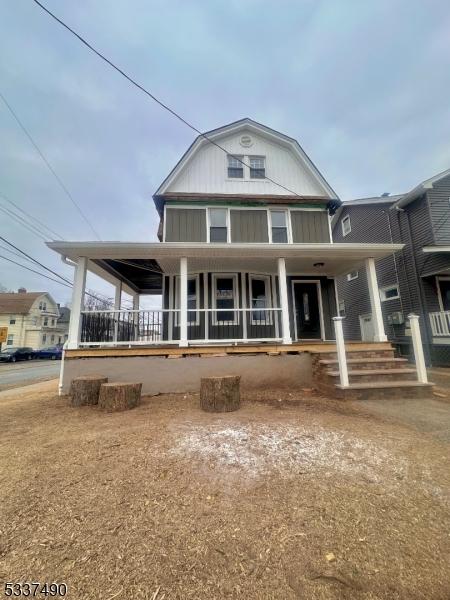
[[385, 288], [10, 339], [12, 320], [177, 300], [287, 226], [234, 277], [240, 157], [342, 309], [352, 278], [267, 283], [208, 224], [348, 220], [256, 157]]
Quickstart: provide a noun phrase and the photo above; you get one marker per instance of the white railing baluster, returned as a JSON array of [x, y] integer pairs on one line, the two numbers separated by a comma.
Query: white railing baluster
[[440, 323]]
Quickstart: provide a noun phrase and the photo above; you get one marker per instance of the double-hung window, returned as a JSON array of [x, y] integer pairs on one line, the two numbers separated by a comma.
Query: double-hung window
[[346, 225], [218, 225], [192, 300], [235, 167], [278, 223], [260, 300], [390, 292], [257, 167], [224, 299]]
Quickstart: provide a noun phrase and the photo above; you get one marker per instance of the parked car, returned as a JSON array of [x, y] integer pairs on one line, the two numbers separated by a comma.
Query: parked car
[[53, 352], [14, 354]]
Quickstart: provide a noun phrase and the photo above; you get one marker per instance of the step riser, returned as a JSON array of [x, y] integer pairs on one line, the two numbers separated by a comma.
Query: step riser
[[386, 394], [366, 366], [333, 379], [362, 354]]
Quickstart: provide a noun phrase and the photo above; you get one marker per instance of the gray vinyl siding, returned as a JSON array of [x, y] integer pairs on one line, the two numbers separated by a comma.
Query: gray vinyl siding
[[249, 226], [309, 226], [185, 225], [439, 205]]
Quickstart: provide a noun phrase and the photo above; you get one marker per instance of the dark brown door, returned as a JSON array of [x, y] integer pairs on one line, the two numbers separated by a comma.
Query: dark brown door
[[307, 311], [445, 293]]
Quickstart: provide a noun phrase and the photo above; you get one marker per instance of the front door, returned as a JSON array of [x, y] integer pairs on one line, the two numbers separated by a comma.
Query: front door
[[444, 286], [307, 310]]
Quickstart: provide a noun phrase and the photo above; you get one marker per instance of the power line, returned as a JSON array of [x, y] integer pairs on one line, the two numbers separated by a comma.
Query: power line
[[152, 96], [21, 221], [49, 166], [33, 271], [35, 261], [30, 216]]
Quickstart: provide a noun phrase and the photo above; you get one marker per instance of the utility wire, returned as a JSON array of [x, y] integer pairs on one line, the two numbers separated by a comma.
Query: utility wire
[[21, 221], [49, 166], [33, 271], [36, 261], [30, 217], [152, 96]]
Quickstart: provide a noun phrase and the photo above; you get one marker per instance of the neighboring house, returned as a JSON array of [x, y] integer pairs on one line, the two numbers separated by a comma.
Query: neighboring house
[[62, 324], [416, 279], [245, 257], [31, 319]]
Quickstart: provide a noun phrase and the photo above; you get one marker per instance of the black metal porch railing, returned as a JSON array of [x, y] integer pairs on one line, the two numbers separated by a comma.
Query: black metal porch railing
[[122, 326]]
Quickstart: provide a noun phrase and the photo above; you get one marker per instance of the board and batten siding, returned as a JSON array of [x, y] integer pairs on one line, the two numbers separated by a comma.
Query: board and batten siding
[[185, 225], [249, 226], [309, 227]]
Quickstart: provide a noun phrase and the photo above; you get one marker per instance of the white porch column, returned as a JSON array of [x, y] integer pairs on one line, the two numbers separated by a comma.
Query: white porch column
[[285, 325], [418, 348], [117, 305], [79, 286], [340, 349], [377, 316], [183, 303]]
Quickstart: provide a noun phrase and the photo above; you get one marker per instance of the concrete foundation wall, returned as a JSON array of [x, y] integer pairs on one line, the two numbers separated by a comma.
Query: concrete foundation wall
[[164, 375]]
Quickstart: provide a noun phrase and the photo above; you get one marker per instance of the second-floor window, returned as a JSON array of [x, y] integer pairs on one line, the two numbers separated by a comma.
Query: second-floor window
[[45, 322], [257, 167], [346, 225], [218, 225], [235, 167], [278, 223], [12, 320]]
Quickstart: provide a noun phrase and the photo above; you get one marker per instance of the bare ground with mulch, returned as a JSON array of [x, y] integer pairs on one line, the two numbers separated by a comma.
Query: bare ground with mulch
[[294, 497]]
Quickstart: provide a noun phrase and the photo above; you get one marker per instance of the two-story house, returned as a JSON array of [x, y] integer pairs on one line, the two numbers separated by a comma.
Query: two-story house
[[414, 280], [31, 319], [245, 261]]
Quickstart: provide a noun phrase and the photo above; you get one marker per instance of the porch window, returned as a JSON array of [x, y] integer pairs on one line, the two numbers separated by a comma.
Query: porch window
[[278, 221], [257, 167], [390, 292], [224, 299], [193, 292], [346, 225], [218, 225], [235, 167], [260, 299]]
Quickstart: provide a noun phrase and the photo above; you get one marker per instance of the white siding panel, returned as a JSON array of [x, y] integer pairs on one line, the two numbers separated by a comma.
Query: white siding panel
[[206, 172]]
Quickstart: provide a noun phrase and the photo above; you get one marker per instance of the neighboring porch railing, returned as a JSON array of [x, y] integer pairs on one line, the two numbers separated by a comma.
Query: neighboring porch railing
[[440, 323], [162, 326]]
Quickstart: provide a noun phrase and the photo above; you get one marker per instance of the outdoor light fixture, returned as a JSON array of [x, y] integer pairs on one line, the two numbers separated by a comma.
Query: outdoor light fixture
[[319, 264]]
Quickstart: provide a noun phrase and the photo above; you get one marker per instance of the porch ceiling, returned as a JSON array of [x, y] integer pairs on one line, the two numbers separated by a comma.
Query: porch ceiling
[[300, 258]]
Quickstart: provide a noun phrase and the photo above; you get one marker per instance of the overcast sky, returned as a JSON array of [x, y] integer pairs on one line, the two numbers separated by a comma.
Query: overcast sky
[[364, 86]]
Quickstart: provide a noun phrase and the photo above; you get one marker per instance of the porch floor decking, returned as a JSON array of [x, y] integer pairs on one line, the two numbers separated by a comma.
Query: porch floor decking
[[170, 350]]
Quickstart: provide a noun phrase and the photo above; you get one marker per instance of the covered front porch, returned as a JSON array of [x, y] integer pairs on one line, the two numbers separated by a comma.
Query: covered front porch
[[216, 294]]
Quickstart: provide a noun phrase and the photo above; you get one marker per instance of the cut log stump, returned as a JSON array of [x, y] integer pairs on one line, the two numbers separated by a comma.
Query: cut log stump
[[220, 394], [85, 390], [119, 396]]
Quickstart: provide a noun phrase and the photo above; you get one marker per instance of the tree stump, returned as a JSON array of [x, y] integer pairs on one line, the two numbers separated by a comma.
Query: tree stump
[[119, 396], [220, 394], [85, 390]]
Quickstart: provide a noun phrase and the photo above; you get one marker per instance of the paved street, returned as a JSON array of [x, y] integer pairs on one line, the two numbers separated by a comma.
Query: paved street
[[27, 372]]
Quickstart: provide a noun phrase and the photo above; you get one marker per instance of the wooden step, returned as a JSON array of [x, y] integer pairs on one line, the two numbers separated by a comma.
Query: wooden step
[[384, 385], [356, 361], [361, 372]]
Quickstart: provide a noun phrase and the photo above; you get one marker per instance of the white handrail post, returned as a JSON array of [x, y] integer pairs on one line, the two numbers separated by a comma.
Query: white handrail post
[[117, 305], [418, 348], [340, 349], [282, 282], [79, 285], [61, 370], [183, 303]]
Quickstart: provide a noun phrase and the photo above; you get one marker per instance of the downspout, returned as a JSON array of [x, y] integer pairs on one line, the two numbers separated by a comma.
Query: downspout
[[418, 279]]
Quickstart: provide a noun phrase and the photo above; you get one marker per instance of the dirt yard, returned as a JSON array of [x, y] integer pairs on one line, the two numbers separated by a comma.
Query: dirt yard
[[292, 497]]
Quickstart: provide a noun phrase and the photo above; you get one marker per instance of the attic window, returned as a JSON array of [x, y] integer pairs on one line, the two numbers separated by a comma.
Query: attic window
[[235, 167], [346, 225], [257, 167]]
